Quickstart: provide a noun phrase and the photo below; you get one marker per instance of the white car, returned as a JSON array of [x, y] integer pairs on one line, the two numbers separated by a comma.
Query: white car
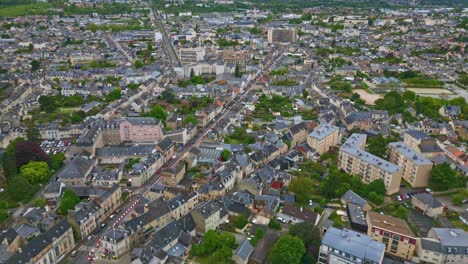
[[399, 198]]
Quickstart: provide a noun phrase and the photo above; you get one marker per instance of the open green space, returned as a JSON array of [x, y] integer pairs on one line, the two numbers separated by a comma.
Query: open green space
[[23, 10]]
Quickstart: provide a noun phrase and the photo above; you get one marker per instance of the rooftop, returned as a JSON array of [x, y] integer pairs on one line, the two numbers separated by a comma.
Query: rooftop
[[323, 131], [389, 223], [410, 153]]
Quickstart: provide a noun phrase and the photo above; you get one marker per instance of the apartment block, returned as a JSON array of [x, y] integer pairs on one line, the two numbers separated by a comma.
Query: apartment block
[[280, 35], [398, 238], [323, 138], [347, 246], [416, 169], [354, 160], [141, 130]]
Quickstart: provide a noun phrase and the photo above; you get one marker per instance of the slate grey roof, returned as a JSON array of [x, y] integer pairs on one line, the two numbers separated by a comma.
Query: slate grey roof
[[354, 243], [39, 243], [428, 199], [123, 151], [453, 240], [115, 234], [244, 250], [141, 121], [431, 245], [417, 134], [352, 197], [410, 153], [77, 168], [26, 230], [165, 144], [165, 236]]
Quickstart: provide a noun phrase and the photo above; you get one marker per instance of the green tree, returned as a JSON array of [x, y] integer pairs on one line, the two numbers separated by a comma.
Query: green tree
[[158, 112], [116, 94], [33, 134], [240, 221], [35, 65], [192, 73], [40, 202], [168, 95], [301, 186], [305, 93], [56, 161], [377, 186], [69, 200], [443, 177], [400, 212], [225, 155], [308, 233], [457, 199], [237, 72], [48, 103], [273, 224], [35, 172], [288, 250], [19, 189], [191, 119], [138, 64]]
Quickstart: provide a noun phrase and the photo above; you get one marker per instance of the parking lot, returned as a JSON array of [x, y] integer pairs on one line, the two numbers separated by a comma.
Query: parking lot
[[55, 146]]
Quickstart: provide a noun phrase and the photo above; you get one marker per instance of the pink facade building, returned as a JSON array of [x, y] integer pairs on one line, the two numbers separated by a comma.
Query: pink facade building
[[140, 130]]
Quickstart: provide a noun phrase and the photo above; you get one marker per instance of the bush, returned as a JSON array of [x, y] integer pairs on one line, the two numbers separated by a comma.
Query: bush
[[274, 224], [240, 221]]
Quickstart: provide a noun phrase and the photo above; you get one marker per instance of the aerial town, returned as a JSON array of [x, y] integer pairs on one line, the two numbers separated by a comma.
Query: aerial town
[[233, 131]]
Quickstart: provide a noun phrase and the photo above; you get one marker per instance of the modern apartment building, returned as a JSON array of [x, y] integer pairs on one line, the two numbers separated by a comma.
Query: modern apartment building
[[398, 238], [347, 246], [416, 169], [323, 138], [354, 160], [280, 35]]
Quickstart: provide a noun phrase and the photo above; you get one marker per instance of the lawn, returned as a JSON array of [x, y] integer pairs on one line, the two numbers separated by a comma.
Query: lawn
[[22, 10], [457, 222], [67, 110]]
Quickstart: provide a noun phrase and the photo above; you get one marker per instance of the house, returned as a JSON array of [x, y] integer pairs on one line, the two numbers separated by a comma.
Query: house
[[49, 247], [154, 215], [450, 111], [354, 198], [173, 176], [454, 243], [427, 204], [166, 147], [266, 205], [207, 216], [75, 173], [293, 214], [140, 130], [116, 242], [356, 217], [324, 138], [53, 192], [395, 233], [347, 246], [243, 252], [430, 251], [11, 240]]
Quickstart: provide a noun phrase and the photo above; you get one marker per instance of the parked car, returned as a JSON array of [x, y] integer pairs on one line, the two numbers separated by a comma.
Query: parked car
[[74, 253]]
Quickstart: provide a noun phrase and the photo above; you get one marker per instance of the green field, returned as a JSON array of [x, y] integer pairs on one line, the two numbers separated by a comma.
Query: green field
[[22, 10]]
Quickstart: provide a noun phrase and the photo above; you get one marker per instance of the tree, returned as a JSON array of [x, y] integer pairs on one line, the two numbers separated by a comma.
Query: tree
[[26, 151], [273, 224], [168, 95], [48, 103], [225, 155], [69, 200], [35, 65], [301, 187], [443, 177], [33, 134], [116, 94], [35, 172], [400, 212], [377, 186], [237, 72], [192, 73], [457, 199], [409, 96], [40, 202], [138, 64], [19, 189], [191, 119], [288, 250], [56, 161], [241, 221], [305, 93], [309, 234], [158, 112]]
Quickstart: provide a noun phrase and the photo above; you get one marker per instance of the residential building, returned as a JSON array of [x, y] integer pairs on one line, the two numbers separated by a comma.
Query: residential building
[[323, 138], [49, 247], [281, 35], [350, 247], [422, 143], [430, 250], [140, 130], [395, 233], [427, 204], [173, 176], [454, 243], [191, 55], [207, 216], [243, 252], [116, 242], [354, 198], [75, 173], [354, 160], [416, 169], [294, 214]]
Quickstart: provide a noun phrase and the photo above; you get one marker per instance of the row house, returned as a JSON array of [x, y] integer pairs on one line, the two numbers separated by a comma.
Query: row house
[[142, 171]]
